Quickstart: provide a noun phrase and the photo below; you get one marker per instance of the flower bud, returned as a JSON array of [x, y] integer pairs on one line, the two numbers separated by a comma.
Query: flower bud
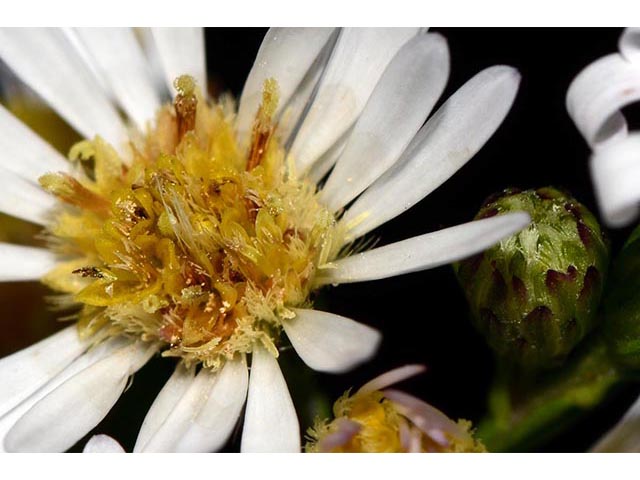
[[534, 296]]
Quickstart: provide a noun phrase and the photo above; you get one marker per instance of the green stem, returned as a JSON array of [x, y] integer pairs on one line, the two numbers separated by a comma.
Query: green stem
[[527, 409]]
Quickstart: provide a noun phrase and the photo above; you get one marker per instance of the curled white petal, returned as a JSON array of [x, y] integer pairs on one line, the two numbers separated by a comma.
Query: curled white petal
[[597, 94], [357, 62], [20, 263], [102, 444], [45, 60], [629, 44], [447, 141], [270, 421], [181, 52], [330, 343], [615, 169], [425, 251], [400, 103]]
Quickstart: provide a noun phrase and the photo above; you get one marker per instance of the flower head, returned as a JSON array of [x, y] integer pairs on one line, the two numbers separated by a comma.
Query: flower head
[[376, 419], [199, 231]]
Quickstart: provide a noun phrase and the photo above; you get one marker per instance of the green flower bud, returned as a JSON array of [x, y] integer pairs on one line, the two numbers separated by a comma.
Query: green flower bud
[[534, 296], [622, 305]]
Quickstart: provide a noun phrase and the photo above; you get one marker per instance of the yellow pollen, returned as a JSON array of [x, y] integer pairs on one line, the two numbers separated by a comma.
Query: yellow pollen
[[190, 241]]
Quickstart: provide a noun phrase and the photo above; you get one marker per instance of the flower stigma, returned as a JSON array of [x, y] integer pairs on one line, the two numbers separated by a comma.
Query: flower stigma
[[195, 241]]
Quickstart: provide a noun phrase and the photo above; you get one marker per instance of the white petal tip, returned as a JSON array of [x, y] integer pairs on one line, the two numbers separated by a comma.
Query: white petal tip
[[102, 444]]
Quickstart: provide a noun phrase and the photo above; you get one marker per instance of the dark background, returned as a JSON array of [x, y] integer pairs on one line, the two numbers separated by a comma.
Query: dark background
[[423, 315]]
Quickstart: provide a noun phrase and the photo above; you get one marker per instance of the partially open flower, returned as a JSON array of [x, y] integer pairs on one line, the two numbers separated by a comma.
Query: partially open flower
[[198, 230], [377, 419]]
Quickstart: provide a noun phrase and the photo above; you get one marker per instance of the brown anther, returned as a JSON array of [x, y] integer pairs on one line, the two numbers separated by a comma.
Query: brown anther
[[185, 106], [263, 126], [92, 272]]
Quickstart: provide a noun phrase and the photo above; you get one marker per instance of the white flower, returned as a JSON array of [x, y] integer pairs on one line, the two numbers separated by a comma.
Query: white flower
[[594, 101], [378, 419], [364, 120]]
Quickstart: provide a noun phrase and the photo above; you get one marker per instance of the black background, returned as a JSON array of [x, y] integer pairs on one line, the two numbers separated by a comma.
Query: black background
[[423, 316]]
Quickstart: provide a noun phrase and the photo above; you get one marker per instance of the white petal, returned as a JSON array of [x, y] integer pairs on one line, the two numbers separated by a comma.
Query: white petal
[[164, 404], [23, 152], [270, 421], [426, 251], [343, 431], [391, 377], [615, 169], [121, 62], [204, 417], [330, 343], [356, 64], [182, 52], [23, 199], [148, 44], [321, 167], [286, 54], [23, 372], [212, 426], [597, 94], [625, 436], [397, 108], [629, 44], [46, 61], [20, 263], [427, 418], [102, 444], [64, 416], [90, 357], [447, 141]]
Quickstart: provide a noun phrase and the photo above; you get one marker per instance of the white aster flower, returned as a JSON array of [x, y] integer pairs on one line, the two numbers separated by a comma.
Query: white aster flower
[[594, 101], [197, 231], [379, 419]]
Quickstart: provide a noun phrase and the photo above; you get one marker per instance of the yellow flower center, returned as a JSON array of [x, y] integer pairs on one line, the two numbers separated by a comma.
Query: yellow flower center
[[193, 241]]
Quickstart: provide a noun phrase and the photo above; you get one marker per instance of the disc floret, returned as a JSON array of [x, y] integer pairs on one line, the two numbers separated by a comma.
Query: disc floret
[[190, 240]]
